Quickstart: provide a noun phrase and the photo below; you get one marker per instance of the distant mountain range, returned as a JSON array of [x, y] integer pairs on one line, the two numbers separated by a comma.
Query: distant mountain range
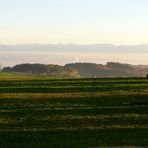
[[109, 48], [72, 53], [86, 70]]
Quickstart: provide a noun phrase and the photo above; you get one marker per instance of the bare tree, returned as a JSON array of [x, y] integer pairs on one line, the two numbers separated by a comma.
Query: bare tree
[[1, 66]]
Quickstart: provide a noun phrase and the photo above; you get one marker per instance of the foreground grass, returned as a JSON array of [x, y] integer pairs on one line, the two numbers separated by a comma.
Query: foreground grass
[[74, 113]]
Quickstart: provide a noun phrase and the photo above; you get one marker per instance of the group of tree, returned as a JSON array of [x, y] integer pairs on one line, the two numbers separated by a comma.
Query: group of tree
[[111, 69], [88, 70], [42, 69]]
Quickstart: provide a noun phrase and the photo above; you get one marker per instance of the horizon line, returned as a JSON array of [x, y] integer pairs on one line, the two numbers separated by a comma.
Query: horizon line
[[81, 44]]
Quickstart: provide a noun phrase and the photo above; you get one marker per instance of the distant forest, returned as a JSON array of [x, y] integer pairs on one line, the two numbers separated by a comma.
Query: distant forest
[[89, 70]]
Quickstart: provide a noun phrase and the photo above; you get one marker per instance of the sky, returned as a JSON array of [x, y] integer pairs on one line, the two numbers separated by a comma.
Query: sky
[[120, 22], [61, 54]]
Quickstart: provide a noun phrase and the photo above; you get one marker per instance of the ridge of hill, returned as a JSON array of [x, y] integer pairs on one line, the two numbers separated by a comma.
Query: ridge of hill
[[88, 70]]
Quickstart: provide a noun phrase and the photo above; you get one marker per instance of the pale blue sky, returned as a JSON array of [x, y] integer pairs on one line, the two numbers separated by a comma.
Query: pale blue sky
[[74, 21]]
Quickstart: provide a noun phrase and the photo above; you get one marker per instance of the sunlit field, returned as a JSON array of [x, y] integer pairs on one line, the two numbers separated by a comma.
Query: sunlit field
[[37, 112]]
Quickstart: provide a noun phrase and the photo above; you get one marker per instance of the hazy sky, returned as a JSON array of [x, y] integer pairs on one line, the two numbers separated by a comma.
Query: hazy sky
[[74, 21], [61, 54]]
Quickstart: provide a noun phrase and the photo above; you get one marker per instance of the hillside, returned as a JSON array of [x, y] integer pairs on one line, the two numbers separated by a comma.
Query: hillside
[[86, 70], [111, 69], [42, 69]]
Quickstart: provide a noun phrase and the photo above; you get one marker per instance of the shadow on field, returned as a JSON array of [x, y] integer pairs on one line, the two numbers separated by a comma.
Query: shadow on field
[[82, 138]]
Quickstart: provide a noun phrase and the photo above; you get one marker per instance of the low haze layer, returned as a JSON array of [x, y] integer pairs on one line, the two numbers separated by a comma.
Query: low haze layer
[[70, 53]]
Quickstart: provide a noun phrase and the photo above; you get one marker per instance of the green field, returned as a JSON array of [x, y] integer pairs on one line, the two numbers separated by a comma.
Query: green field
[[73, 112]]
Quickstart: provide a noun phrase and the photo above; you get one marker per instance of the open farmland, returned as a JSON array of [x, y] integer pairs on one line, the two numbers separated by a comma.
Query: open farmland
[[74, 112]]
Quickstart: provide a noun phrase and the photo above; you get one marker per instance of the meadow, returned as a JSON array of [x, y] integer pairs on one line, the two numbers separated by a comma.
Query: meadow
[[37, 112]]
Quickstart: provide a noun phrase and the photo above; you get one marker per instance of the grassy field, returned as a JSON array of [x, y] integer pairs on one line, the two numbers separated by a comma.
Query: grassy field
[[73, 112]]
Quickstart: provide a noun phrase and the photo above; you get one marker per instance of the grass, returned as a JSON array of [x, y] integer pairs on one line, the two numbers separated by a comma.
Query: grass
[[25, 76], [74, 112]]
